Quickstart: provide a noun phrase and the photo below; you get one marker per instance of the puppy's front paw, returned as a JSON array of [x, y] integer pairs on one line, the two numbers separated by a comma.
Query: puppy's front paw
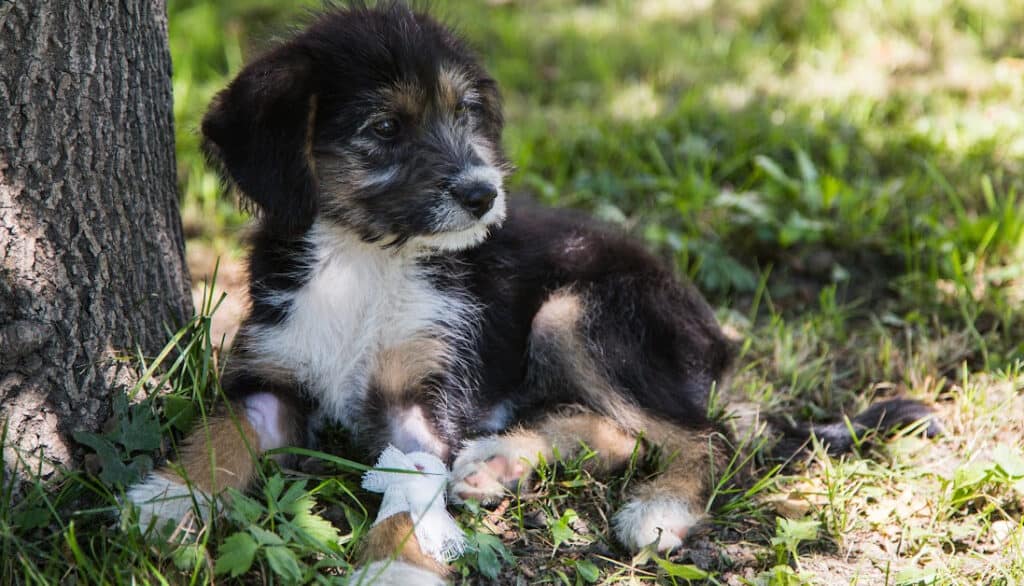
[[487, 468], [394, 573], [161, 498], [642, 521]]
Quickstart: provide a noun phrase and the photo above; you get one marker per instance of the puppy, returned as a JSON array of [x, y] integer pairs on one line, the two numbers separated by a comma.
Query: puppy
[[398, 291]]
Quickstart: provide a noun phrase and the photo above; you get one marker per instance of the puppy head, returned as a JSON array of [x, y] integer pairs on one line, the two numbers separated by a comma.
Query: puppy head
[[378, 120]]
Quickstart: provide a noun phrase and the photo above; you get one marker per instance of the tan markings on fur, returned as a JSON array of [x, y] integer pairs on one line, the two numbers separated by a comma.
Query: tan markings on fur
[[566, 433], [338, 178], [688, 457], [403, 98], [556, 332], [393, 538], [559, 315], [453, 83], [221, 454], [400, 368]]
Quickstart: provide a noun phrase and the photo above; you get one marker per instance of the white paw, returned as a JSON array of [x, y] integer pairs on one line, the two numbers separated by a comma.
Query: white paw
[[667, 520], [160, 499], [394, 573], [488, 467]]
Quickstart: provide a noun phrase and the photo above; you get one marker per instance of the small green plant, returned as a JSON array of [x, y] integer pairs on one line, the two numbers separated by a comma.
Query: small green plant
[[280, 531], [686, 572], [789, 534], [586, 571], [123, 453], [979, 485], [486, 554], [561, 528], [781, 575]]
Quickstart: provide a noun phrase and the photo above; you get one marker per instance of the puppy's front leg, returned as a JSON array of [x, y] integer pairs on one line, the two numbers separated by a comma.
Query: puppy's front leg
[[487, 467], [392, 556], [220, 454]]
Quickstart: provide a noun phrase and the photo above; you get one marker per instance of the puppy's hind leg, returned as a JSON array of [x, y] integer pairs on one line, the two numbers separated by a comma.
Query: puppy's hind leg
[[561, 369], [646, 377], [219, 455], [662, 511]]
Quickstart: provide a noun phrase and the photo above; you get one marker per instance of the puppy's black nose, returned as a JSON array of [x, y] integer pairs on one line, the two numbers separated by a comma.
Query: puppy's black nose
[[475, 197]]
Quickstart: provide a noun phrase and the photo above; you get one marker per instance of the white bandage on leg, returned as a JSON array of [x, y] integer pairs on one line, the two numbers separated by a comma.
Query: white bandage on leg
[[421, 493]]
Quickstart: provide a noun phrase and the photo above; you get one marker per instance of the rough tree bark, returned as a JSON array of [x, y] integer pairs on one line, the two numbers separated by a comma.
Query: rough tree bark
[[90, 237]]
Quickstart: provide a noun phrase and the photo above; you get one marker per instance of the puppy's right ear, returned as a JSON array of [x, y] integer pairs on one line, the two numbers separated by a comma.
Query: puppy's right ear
[[260, 129]]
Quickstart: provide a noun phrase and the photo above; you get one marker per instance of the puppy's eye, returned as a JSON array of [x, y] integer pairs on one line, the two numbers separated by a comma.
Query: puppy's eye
[[464, 107], [386, 128]]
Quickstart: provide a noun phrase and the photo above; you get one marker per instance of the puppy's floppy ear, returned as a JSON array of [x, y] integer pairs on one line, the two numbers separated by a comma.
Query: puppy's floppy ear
[[259, 130]]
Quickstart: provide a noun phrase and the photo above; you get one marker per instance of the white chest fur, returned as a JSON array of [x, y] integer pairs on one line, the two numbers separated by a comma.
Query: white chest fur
[[360, 299]]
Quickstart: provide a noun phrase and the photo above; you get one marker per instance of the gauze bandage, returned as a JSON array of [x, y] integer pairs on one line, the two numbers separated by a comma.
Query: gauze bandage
[[421, 493]]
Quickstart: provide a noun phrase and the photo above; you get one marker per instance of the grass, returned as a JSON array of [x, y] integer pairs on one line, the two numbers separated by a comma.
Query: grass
[[840, 178]]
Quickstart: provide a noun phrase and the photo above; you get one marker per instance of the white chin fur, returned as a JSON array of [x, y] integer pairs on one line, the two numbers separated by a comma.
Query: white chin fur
[[467, 238], [160, 499], [394, 573], [667, 520], [451, 241]]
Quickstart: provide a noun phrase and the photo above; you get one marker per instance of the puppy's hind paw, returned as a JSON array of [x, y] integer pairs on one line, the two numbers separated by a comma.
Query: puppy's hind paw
[[665, 520], [160, 499]]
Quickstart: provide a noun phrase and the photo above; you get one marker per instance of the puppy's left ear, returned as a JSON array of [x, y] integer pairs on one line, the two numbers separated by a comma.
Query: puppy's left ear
[[260, 130]]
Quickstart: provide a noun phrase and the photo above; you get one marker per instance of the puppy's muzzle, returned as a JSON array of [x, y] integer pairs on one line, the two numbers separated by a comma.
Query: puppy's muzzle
[[476, 196]]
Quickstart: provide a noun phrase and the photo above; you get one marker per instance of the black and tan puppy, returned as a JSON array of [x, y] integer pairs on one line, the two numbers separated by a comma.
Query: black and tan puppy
[[397, 291]]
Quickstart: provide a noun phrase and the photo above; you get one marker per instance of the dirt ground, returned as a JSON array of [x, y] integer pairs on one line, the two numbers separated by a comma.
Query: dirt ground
[[230, 288]]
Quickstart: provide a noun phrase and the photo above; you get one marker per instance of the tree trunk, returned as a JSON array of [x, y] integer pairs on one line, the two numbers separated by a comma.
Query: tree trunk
[[90, 237]]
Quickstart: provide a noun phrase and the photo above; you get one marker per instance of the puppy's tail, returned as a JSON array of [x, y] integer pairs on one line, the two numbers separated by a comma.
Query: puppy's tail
[[840, 437]]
